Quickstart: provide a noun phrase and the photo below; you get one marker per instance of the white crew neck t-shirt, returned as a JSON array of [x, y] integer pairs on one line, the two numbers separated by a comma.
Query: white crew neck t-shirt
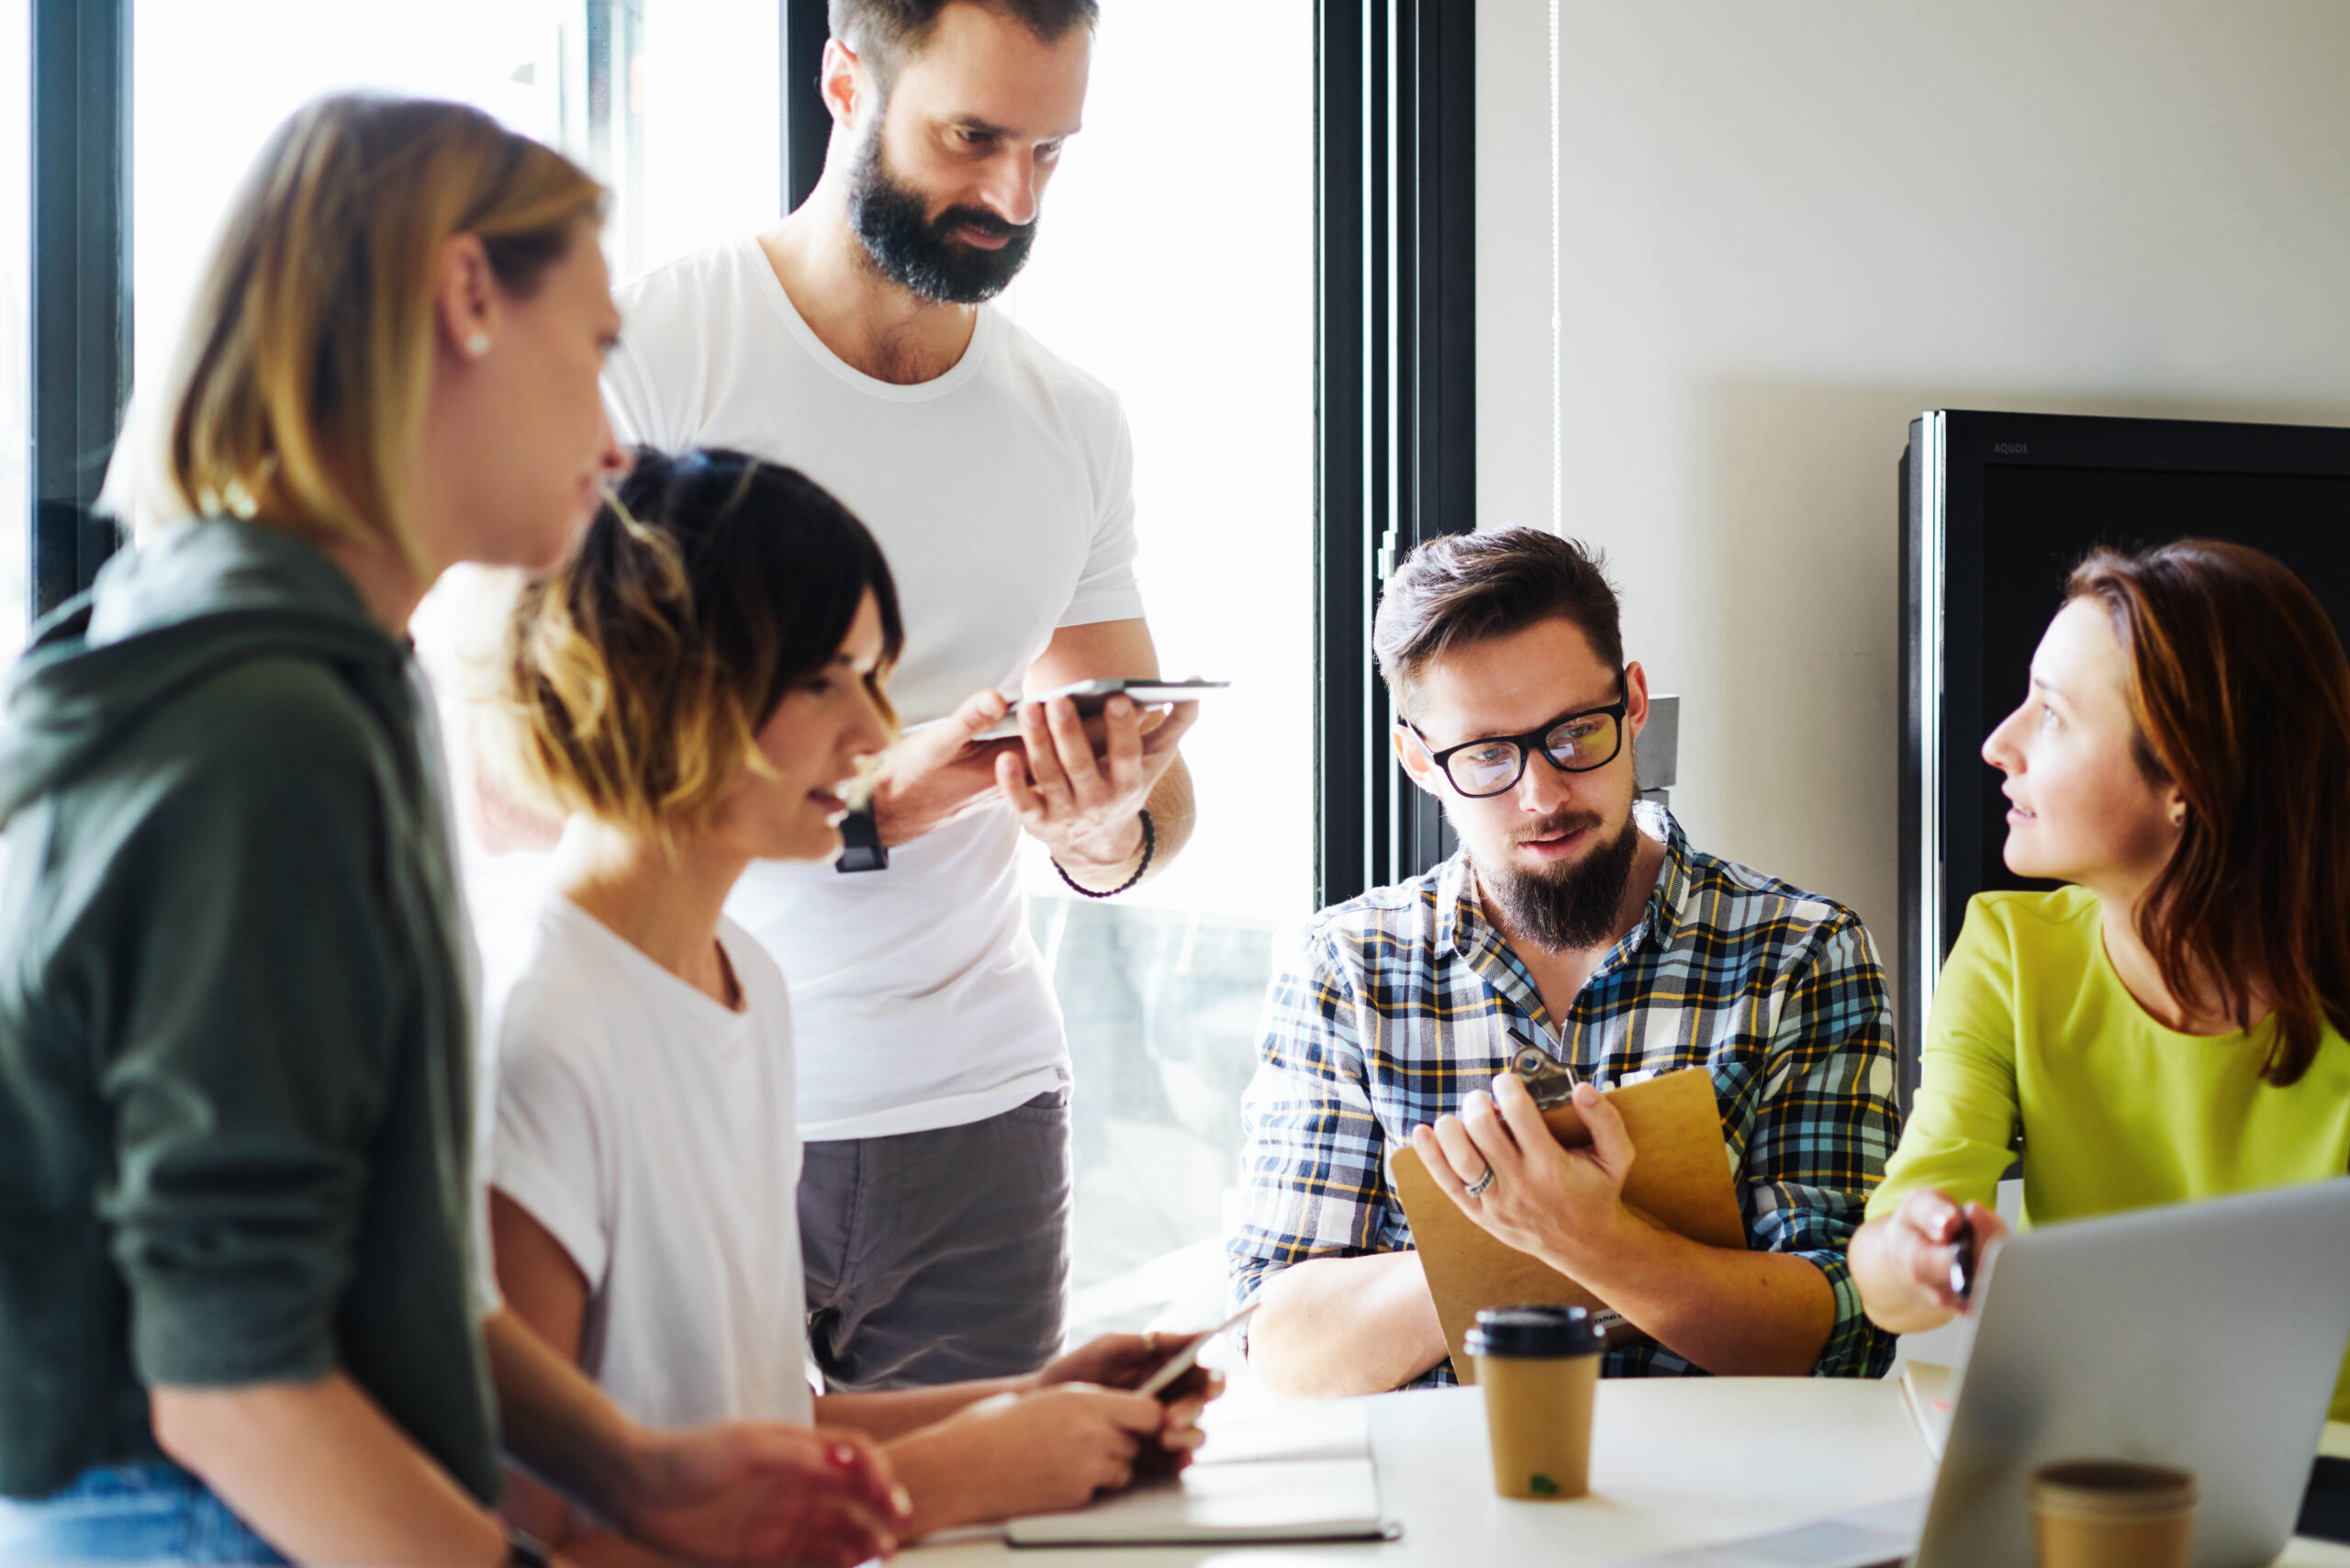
[[651, 1131], [1002, 493]]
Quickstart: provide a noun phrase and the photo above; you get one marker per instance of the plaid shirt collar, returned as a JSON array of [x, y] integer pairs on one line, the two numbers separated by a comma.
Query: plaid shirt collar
[[1463, 930]]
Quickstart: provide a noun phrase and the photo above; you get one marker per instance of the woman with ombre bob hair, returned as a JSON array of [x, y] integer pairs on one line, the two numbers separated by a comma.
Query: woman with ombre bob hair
[[693, 692], [242, 1313], [2170, 1025]]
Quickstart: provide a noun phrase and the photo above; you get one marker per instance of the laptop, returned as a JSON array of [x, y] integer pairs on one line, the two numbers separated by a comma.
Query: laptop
[[2206, 1336]]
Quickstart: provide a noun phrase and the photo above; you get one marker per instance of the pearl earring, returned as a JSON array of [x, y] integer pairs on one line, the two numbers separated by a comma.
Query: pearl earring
[[478, 344]]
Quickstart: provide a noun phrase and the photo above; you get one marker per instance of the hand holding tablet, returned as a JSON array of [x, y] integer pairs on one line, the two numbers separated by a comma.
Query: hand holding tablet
[[1090, 696]]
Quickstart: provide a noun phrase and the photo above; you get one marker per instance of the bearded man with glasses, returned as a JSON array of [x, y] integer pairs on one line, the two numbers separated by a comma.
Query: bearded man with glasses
[[1577, 919]]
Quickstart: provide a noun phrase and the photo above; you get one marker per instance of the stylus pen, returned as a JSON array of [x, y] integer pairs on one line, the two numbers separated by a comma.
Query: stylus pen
[[1962, 1266], [1164, 1378]]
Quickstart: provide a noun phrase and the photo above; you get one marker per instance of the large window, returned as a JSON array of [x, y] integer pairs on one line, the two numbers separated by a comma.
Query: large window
[[1176, 262], [672, 103]]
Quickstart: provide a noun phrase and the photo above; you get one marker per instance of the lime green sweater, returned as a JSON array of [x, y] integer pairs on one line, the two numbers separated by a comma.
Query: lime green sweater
[[2031, 1028]]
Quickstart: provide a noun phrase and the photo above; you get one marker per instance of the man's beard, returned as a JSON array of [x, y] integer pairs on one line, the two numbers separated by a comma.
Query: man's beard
[[1574, 906], [918, 253]]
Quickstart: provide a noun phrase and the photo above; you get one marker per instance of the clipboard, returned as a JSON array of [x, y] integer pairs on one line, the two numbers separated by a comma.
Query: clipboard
[[1681, 1179]]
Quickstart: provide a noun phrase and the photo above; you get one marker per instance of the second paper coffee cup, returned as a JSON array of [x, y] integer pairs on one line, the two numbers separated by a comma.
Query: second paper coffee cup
[[1538, 1366], [2112, 1514]]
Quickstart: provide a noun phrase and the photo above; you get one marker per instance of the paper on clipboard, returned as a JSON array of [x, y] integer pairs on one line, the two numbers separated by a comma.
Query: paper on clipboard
[[1681, 1179]]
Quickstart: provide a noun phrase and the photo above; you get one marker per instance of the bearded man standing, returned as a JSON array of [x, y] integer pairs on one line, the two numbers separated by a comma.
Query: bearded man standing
[[854, 343], [1579, 920]]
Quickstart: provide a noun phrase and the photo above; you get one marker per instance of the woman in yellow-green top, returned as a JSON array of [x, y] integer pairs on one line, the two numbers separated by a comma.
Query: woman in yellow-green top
[[2169, 1026]]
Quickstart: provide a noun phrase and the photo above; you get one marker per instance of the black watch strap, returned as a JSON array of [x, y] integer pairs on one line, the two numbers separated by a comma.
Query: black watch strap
[[861, 845], [522, 1552]]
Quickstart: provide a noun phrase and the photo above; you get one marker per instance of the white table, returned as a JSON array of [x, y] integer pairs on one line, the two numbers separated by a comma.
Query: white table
[[1675, 1463]]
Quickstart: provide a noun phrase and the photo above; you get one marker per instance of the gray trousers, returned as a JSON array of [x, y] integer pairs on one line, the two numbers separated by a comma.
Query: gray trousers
[[938, 1256]]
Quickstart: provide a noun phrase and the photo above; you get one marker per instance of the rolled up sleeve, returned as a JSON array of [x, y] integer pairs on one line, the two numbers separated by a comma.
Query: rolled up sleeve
[[1314, 1163], [1824, 1129], [246, 1024]]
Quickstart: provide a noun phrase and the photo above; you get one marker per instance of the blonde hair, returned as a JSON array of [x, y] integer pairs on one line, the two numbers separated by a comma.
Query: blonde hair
[[639, 674], [298, 393]]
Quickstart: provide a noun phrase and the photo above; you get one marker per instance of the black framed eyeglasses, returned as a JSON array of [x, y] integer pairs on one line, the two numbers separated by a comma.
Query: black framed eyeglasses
[[1571, 743]]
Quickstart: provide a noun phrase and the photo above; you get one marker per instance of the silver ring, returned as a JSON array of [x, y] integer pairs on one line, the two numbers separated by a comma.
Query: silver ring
[[1482, 1185]]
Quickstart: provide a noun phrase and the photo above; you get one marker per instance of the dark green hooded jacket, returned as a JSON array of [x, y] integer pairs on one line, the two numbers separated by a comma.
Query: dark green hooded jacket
[[235, 1031]]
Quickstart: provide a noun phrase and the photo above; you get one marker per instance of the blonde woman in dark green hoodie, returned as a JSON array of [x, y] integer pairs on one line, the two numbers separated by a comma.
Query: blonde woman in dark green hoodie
[[239, 1312]]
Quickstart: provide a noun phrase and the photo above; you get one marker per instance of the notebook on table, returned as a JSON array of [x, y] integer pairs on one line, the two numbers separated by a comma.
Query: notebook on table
[[1294, 1473]]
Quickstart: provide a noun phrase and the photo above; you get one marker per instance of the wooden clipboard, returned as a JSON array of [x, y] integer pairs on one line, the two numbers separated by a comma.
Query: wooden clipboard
[[1681, 1179]]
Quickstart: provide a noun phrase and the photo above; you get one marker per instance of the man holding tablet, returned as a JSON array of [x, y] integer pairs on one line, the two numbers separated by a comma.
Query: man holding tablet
[[854, 343]]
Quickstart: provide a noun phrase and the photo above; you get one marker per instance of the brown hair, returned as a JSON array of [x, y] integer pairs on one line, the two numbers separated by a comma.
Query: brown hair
[[299, 394], [2241, 698], [884, 32], [1464, 588], [639, 674]]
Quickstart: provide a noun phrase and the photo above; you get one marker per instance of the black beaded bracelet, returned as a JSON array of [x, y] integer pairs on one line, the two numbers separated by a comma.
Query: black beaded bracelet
[[1149, 848]]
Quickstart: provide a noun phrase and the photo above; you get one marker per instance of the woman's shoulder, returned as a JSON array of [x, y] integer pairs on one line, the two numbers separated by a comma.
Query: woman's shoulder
[[268, 766], [562, 1000], [281, 708], [2058, 916], [272, 721], [2025, 939]]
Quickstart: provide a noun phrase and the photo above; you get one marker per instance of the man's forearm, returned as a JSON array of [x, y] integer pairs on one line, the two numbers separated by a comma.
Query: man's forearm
[[1332, 1327], [1734, 1314], [1173, 809]]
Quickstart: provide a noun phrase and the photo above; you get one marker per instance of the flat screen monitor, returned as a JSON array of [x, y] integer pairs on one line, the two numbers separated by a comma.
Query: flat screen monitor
[[1996, 509]]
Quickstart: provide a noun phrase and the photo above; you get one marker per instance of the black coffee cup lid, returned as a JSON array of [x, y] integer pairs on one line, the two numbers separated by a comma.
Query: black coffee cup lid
[[1535, 1331]]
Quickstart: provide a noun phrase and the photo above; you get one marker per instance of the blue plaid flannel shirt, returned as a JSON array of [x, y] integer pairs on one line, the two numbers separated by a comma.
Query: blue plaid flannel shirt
[[1406, 998]]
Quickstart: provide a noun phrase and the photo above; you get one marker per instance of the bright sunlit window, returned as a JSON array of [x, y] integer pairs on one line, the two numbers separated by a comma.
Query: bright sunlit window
[[1176, 263], [672, 103]]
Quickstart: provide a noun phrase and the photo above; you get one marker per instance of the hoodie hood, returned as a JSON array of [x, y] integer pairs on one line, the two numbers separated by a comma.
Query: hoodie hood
[[198, 597]]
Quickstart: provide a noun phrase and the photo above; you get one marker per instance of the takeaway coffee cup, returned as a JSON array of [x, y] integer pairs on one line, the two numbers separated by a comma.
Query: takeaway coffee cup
[[1538, 1366], [2100, 1513]]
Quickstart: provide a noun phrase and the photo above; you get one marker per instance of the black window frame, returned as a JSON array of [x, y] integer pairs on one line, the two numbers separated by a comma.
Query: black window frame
[[1397, 392], [80, 285]]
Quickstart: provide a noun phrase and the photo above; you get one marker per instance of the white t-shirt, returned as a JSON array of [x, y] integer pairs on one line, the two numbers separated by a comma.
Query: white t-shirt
[[1003, 493], [650, 1130]]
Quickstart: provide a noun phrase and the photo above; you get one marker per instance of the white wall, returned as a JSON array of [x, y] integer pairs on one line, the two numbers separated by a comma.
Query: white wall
[[1516, 434], [1789, 229]]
